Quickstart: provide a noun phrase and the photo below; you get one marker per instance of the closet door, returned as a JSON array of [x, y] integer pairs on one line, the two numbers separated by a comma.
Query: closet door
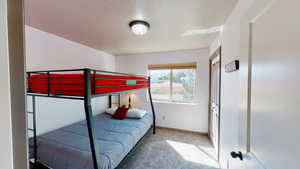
[[214, 109]]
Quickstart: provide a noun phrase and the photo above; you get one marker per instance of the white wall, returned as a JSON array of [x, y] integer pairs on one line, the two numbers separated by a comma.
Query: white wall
[[215, 44], [45, 51], [192, 117]]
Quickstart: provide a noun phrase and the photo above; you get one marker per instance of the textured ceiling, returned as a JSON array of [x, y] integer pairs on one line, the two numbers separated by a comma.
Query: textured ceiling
[[103, 24]]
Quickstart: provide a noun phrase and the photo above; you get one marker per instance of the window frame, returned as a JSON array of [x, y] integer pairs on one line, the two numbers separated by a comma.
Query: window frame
[[171, 100]]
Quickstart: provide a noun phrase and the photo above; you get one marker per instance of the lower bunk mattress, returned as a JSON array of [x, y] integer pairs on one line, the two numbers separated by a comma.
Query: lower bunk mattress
[[69, 147]]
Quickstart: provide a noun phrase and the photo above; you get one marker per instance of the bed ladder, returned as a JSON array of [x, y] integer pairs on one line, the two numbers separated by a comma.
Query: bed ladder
[[32, 129]]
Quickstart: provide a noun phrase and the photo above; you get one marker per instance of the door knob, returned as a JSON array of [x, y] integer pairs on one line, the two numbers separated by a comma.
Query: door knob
[[237, 155]]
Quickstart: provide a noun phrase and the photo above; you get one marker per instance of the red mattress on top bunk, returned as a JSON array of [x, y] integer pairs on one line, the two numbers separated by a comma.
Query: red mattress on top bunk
[[73, 84]]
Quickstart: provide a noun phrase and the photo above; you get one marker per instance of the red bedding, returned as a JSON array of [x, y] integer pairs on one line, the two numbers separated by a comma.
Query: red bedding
[[73, 84]]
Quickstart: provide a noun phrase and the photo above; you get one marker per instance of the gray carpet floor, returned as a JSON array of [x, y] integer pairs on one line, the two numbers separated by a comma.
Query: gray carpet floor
[[169, 149]]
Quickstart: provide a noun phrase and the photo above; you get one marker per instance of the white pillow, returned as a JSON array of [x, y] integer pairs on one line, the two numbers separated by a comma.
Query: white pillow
[[136, 113], [132, 113], [111, 111]]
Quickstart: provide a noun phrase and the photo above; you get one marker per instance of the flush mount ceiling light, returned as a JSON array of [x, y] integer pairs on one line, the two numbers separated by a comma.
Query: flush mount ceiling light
[[139, 27]]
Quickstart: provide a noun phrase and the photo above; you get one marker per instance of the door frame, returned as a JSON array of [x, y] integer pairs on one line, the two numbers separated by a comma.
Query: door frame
[[257, 10], [13, 73], [211, 58]]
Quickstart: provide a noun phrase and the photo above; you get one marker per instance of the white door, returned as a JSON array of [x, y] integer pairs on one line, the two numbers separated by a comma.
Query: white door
[[270, 56], [215, 98]]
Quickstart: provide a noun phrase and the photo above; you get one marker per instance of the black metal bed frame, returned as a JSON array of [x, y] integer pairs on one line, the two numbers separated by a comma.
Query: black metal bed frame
[[87, 97]]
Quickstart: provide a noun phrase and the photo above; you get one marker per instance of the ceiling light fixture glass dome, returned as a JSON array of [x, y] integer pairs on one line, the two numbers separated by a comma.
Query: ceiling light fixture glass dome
[[139, 27]]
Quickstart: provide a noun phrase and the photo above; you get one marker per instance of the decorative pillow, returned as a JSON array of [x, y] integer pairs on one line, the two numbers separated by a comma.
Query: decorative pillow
[[131, 113], [111, 111], [136, 113], [120, 113]]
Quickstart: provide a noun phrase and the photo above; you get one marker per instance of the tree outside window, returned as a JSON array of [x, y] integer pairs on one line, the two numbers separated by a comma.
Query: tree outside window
[[175, 85]]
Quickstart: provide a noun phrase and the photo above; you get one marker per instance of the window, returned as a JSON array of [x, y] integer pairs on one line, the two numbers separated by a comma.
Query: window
[[173, 82]]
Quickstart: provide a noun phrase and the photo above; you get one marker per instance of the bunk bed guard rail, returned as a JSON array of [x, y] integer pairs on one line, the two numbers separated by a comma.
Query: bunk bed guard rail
[[85, 84]]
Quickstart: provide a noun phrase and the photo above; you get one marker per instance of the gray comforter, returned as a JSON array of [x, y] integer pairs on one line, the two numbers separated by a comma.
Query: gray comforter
[[69, 147]]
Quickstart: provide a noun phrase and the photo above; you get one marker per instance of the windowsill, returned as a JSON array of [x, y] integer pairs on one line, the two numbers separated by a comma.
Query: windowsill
[[179, 103]]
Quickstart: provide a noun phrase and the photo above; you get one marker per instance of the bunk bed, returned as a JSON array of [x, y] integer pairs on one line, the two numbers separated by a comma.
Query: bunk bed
[[98, 142]]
